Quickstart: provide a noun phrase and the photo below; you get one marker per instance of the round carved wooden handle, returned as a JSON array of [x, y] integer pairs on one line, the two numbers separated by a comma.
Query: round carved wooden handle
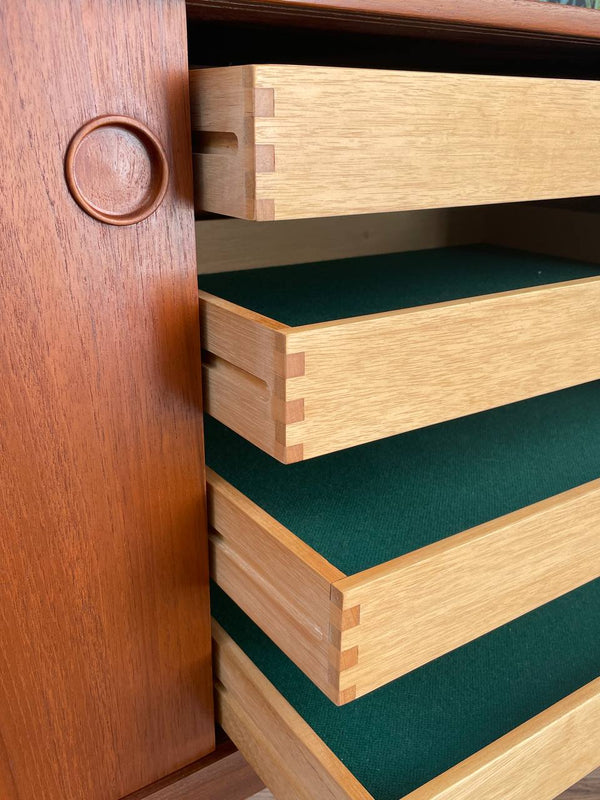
[[117, 170]]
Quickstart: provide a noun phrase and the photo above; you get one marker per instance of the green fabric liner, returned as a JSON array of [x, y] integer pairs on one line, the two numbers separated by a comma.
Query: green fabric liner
[[409, 731], [301, 294], [368, 504]]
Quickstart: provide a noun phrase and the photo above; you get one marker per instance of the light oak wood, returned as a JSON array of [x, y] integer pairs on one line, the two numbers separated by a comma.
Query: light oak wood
[[246, 372], [222, 170], [232, 244], [287, 755], [440, 597], [338, 629], [503, 140], [417, 366], [587, 789], [539, 759], [433, 363], [226, 775], [281, 582]]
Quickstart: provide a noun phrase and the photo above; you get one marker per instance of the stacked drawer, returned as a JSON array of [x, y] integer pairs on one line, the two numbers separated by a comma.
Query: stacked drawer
[[404, 450], [512, 715]]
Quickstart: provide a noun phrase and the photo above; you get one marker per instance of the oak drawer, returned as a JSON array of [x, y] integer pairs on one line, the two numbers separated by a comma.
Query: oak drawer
[[331, 373], [282, 142], [514, 715], [365, 564]]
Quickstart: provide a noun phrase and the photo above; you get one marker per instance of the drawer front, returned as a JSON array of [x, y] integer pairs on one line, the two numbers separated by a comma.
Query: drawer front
[[353, 634], [538, 759], [283, 142]]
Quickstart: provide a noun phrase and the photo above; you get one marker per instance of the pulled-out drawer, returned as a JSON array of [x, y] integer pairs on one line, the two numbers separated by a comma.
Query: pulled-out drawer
[[366, 564], [514, 715], [308, 359], [283, 142]]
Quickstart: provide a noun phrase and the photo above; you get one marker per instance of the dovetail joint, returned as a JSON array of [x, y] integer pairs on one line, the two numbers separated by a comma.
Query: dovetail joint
[[340, 661], [264, 159], [287, 454], [264, 210], [264, 102], [287, 412], [341, 658]]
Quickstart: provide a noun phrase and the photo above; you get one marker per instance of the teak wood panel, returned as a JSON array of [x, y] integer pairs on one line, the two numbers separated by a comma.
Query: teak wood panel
[[284, 142], [222, 775], [467, 19], [539, 759], [105, 678], [351, 634], [318, 388]]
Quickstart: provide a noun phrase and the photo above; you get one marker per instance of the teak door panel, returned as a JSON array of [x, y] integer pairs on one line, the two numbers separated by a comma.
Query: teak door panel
[[105, 681]]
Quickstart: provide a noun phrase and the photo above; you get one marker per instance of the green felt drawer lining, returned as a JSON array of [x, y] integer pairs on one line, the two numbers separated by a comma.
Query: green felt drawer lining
[[369, 504], [408, 732], [366, 505], [301, 294]]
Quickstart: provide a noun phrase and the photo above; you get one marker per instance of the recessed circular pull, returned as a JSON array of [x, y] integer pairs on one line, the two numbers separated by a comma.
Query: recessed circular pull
[[117, 170]]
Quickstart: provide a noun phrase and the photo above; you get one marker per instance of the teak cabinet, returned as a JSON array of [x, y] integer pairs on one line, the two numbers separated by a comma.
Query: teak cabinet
[[108, 516], [105, 675]]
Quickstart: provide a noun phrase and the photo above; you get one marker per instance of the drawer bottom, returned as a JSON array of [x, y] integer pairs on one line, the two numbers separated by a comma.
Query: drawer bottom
[[513, 715]]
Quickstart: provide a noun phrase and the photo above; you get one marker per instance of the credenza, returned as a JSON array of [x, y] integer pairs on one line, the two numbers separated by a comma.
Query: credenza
[[361, 237]]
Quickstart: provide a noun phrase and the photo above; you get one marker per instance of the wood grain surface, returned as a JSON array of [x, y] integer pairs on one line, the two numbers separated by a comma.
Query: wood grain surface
[[554, 228], [433, 363], [466, 19], [381, 151], [467, 585], [586, 789], [338, 629], [539, 759], [232, 244], [105, 679], [277, 579], [285, 752], [245, 372], [418, 366], [222, 775]]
